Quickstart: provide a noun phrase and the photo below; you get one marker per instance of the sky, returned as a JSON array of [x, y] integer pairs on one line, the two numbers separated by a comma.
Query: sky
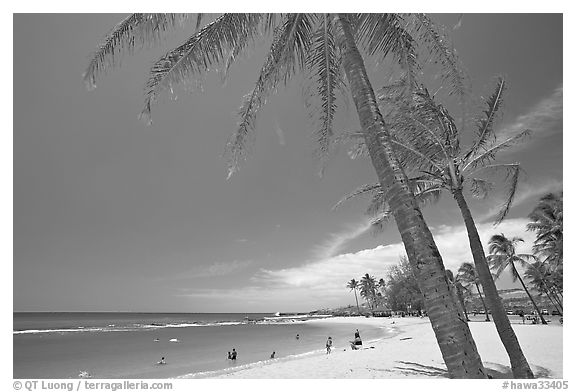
[[112, 215]]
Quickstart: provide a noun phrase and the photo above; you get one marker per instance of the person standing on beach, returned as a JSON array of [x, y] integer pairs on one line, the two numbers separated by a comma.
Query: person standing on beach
[[329, 345]]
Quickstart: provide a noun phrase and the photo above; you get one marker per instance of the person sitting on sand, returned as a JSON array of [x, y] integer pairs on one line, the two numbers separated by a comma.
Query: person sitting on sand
[[329, 345], [233, 354], [357, 342], [272, 355], [162, 361]]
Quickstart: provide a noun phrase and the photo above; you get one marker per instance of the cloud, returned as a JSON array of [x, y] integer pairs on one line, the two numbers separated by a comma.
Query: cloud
[[322, 283], [543, 119], [337, 240]]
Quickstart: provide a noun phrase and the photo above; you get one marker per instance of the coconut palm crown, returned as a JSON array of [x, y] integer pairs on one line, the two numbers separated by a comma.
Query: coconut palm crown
[[428, 143]]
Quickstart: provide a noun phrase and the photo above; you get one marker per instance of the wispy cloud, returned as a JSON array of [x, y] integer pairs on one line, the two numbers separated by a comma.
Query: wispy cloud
[[336, 242], [544, 118]]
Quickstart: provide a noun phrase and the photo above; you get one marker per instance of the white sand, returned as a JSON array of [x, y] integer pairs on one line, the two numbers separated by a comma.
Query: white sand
[[412, 352]]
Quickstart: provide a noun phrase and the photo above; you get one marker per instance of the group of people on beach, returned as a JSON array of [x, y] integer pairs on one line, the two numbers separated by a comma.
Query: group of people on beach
[[355, 344]]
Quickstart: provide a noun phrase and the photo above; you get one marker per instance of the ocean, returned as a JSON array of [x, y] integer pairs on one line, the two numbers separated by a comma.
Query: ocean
[[129, 345]]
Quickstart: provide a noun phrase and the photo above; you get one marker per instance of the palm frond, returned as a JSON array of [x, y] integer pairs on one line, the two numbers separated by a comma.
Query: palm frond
[[480, 188], [498, 263], [323, 63], [440, 51], [490, 154], [428, 111], [512, 176], [485, 124], [287, 52], [394, 91], [364, 189], [199, 53], [134, 32], [384, 34]]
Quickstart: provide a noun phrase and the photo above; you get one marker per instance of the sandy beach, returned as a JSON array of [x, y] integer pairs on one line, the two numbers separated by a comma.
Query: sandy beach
[[412, 352]]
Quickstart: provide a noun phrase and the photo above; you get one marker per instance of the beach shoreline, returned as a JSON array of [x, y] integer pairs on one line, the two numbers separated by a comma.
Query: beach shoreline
[[409, 351]]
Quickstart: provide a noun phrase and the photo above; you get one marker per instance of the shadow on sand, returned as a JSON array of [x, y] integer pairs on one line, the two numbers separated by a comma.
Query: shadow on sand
[[413, 368]]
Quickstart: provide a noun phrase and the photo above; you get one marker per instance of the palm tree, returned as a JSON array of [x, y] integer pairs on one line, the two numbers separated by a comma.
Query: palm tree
[[427, 140], [539, 277], [353, 285], [368, 290], [546, 221], [320, 44], [458, 289], [467, 274], [382, 287], [503, 255]]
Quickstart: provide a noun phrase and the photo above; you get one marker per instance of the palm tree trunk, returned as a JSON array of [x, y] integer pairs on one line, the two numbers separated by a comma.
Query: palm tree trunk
[[518, 362], [529, 295], [453, 335], [357, 306], [461, 299], [483, 303]]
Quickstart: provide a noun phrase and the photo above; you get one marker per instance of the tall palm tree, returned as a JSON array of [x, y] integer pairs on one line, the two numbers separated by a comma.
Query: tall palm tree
[[322, 44], [546, 221], [353, 285], [427, 140], [503, 255], [467, 274]]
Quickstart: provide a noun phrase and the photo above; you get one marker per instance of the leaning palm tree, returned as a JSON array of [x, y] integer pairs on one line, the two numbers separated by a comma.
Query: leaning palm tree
[[353, 285], [428, 141], [467, 274], [503, 256], [323, 45]]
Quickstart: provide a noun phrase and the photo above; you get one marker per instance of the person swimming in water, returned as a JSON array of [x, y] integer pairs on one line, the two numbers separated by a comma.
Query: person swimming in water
[[233, 354], [162, 361], [272, 355]]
